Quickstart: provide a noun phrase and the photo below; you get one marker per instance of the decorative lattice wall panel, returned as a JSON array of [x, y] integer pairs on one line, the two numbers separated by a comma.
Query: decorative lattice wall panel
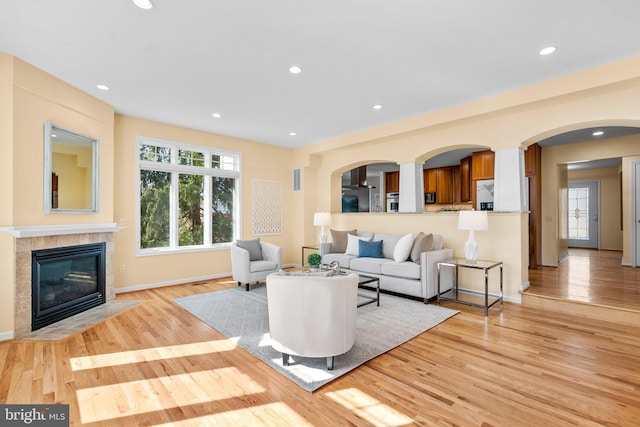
[[267, 207]]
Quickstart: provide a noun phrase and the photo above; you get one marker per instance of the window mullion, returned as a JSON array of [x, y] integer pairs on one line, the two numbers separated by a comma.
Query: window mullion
[[174, 210], [208, 217]]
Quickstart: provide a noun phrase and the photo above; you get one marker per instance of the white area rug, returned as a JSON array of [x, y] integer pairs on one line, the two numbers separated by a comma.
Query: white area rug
[[242, 316]]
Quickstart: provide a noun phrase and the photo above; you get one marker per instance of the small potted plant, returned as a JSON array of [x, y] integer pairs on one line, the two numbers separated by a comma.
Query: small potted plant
[[314, 260]]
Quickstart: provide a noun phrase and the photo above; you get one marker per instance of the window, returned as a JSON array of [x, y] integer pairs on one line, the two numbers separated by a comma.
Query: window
[[579, 213], [188, 196]]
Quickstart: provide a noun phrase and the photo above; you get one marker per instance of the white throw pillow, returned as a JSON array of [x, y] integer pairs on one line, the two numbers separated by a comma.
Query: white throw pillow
[[353, 244], [403, 248]]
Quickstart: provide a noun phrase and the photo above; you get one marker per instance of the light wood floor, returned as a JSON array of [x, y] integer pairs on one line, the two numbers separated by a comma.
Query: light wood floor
[[156, 364], [590, 276]]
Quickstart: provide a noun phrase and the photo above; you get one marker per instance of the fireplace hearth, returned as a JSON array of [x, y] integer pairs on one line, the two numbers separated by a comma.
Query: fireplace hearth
[[66, 281]]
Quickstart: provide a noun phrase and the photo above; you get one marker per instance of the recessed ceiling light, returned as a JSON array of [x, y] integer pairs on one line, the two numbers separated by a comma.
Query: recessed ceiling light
[[598, 133], [102, 87], [377, 107], [294, 69], [143, 4], [547, 50], [216, 115], [292, 134]]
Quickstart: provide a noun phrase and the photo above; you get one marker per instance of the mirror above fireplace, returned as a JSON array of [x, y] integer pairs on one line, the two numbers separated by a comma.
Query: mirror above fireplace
[[70, 171]]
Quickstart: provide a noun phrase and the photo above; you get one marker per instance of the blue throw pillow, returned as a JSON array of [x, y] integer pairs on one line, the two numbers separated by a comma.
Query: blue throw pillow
[[370, 249]]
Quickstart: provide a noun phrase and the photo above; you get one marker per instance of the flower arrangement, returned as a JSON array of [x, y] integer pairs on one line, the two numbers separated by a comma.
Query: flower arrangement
[[314, 259]]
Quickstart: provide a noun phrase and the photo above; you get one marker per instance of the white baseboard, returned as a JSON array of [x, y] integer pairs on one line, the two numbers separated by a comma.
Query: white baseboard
[[515, 300], [6, 336], [526, 285], [170, 283], [179, 281]]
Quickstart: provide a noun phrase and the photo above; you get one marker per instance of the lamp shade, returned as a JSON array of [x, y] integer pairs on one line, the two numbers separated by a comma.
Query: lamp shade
[[473, 220], [321, 218]]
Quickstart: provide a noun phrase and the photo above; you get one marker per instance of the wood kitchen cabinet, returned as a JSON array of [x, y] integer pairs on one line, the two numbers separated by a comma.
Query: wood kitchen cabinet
[[456, 184], [532, 159], [465, 179], [482, 164], [444, 185], [430, 181], [392, 182]]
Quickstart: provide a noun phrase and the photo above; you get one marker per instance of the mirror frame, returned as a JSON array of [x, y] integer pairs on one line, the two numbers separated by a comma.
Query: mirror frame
[[48, 157]]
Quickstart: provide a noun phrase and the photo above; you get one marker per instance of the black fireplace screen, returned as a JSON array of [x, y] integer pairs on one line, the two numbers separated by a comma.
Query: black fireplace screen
[[66, 281]]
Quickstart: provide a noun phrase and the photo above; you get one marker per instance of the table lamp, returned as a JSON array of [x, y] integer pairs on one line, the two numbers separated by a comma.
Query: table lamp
[[321, 219], [472, 220]]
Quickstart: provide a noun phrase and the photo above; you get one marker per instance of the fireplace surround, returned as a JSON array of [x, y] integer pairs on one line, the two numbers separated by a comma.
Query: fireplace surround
[[33, 238]]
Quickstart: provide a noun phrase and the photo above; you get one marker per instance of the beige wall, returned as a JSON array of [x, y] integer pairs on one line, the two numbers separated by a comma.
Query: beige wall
[[7, 254], [29, 98], [259, 161], [610, 220], [38, 98]]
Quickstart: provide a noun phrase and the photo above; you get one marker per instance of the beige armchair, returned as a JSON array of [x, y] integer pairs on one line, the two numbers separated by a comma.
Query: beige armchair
[[312, 316], [253, 260]]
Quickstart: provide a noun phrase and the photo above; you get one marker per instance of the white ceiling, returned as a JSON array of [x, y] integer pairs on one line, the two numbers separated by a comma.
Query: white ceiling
[[183, 60]]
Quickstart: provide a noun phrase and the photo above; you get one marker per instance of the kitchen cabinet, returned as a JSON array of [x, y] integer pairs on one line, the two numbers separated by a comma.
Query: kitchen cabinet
[[444, 185], [465, 179], [482, 164], [456, 184], [430, 181], [532, 158], [392, 182]]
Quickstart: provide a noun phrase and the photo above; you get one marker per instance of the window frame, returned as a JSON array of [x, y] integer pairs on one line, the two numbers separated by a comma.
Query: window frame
[[175, 170]]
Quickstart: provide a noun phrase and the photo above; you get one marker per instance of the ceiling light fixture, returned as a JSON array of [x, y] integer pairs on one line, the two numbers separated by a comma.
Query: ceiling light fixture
[[294, 69], [102, 87], [547, 50], [292, 134], [143, 4], [377, 107], [216, 115], [598, 133]]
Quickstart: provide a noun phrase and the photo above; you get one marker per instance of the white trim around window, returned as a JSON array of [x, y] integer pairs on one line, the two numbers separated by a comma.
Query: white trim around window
[[228, 164]]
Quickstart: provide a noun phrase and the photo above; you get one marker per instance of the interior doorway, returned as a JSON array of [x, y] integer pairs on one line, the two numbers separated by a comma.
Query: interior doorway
[[583, 203]]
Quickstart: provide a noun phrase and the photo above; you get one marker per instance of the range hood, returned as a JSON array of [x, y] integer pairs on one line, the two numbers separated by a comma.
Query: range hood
[[357, 179]]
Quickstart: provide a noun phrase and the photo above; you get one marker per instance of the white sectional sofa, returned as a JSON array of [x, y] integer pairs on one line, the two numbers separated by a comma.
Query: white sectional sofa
[[405, 277]]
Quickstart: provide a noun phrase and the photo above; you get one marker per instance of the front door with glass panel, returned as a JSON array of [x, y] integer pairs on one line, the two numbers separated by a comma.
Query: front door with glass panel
[[583, 206]]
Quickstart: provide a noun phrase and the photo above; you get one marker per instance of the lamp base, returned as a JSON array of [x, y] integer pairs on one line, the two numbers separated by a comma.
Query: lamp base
[[471, 248], [322, 237]]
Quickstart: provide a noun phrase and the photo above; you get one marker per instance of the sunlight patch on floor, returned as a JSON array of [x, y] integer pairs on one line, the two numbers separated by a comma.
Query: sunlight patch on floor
[[156, 394], [150, 354], [270, 414], [369, 408]]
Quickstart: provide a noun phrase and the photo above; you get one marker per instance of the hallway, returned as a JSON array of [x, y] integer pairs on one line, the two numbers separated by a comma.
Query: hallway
[[595, 277]]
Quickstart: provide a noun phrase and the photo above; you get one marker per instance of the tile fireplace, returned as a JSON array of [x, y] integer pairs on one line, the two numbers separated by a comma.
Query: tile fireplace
[[33, 242]]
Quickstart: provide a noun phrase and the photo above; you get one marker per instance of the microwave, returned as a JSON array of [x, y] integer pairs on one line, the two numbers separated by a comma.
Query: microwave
[[429, 198]]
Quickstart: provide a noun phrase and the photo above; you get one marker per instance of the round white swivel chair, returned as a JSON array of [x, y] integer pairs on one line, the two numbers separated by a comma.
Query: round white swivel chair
[[312, 316]]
